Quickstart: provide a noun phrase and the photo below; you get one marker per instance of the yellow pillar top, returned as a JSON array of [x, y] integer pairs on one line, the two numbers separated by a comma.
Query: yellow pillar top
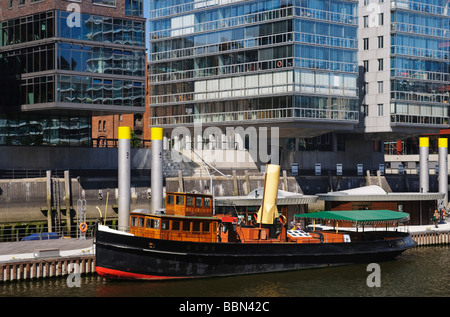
[[423, 142], [156, 133], [124, 133], [443, 142]]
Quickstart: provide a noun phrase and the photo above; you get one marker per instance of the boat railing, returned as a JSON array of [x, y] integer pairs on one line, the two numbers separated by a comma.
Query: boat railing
[[177, 236]]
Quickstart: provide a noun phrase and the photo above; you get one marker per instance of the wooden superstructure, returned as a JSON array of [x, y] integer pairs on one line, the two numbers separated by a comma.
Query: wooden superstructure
[[188, 217]]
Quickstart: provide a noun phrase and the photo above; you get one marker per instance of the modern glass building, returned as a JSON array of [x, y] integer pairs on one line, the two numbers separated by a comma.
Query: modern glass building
[[62, 62], [404, 54], [286, 63]]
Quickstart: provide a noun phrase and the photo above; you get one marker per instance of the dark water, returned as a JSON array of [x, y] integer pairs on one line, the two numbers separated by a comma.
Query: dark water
[[423, 271]]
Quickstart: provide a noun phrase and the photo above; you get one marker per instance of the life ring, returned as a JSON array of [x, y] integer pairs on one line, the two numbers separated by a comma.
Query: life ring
[[83, 227], [282, 219], [279, 64]]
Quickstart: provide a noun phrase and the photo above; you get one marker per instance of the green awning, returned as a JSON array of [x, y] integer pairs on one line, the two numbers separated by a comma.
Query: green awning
[[368, 216]]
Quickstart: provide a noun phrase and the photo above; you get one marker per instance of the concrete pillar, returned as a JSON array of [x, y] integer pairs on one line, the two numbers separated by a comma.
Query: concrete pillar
[[423, 161], [443, 168], [157, 168], [49, 200], [124, 178], [67, 199]]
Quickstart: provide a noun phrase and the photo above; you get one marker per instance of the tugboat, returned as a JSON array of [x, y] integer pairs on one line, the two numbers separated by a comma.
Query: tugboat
[[190, 241]]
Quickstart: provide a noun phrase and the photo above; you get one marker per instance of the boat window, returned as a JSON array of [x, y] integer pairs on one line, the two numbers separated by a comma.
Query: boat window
[[205, 227], [198, 201], [207, 202], [141, 221], [164, 224], [196, 226], [180, 200], [175, 224], [189, 201], [152, 223], [133, 221], [186, 226], [170, 199]]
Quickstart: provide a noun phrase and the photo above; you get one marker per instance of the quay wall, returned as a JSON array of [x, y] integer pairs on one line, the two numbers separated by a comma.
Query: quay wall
[[431, 238], [46, 267]]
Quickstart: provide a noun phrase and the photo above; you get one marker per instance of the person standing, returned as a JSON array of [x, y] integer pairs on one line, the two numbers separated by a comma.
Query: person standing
[[436, 218]]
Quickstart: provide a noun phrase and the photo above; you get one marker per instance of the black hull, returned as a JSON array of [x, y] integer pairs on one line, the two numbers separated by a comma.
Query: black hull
[[129, 257]]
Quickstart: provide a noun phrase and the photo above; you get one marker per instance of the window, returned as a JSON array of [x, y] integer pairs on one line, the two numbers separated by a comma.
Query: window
[[180, 200], [380, 64], [141, 221], [380, 87], [21, 2], [99, 125], [380, 109], [196, 226], [165, 224], [205, 227], [186, 226], [380, 42], [133, 221], [381, 19], [107, 2], [207, 202], [366, 65], [366, 43], [104, 126], [198, 201], [152, 223], [176, 224], [134, 7], [364, 110], [340, 142], [366, 21], [170, 199], [189, 201]]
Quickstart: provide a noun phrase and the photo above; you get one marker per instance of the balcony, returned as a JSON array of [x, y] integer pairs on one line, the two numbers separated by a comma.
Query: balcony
[[260, 116]]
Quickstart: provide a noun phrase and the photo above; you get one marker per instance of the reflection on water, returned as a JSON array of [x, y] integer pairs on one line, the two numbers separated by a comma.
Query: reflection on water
[[423, 271]]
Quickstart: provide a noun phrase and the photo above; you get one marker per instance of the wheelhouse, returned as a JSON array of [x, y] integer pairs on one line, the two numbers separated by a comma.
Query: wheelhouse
[[188, 218]]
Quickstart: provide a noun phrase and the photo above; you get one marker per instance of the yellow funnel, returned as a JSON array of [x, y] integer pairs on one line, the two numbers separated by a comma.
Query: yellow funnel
[[268, 210]]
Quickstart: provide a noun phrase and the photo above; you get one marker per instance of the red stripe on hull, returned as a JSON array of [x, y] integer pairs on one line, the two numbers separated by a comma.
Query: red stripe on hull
[[116, 274]]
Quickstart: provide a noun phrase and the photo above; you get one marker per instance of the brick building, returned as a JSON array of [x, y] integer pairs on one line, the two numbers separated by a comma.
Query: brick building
[[105, 128]]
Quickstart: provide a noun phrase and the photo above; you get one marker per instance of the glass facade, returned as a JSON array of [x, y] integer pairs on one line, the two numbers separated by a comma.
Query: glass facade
[[420, 40], [231, 61], [46, 63], [34, 129]]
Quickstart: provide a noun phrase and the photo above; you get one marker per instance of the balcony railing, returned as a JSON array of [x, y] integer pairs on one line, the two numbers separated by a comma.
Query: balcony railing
[[418, 119], [257, 115]]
